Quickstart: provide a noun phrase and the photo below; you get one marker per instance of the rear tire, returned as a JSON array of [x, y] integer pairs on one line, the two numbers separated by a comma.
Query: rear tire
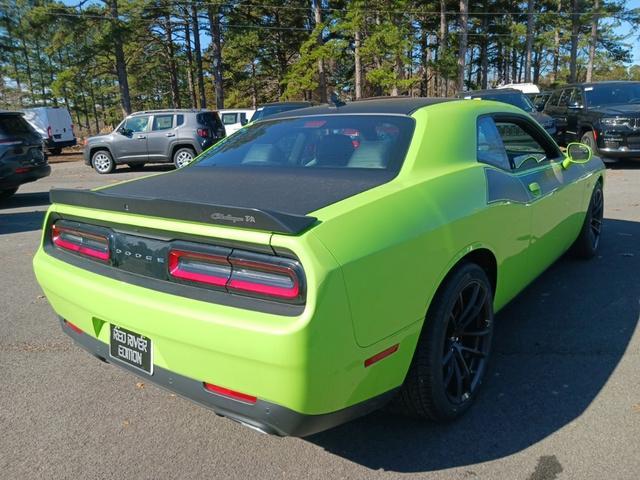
[[183, 157], [56, 151], [4, 194], [452, 353], [102, 162], [586, 245]]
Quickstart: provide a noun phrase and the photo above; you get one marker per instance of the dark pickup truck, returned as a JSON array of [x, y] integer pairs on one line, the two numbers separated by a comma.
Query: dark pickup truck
[[603, 115]]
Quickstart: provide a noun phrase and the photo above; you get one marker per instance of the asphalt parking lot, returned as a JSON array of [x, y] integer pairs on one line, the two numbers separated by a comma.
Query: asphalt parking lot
[[562, 400]]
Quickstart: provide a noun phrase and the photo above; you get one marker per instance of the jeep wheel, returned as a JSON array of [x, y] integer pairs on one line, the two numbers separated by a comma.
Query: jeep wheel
[[183, 157], [102, 162]]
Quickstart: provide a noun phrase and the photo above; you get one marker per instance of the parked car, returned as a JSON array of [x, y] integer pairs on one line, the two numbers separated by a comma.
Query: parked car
[[154, 136], [268, 109], [292, 280], [517, 99], [22, 157], [539, 99], [54, 125], [234, 120], [523, 87], [603, 115]]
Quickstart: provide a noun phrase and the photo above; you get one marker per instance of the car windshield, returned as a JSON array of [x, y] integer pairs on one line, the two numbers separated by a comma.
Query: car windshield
[[322, 141], [612, 94], [516, 99]]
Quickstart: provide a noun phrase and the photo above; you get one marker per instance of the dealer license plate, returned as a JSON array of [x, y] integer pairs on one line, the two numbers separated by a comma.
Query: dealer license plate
[[131, 348]]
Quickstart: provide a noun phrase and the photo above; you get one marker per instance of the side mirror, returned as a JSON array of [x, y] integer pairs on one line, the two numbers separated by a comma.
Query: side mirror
[[575, 106], [577, 153], [125, 131]]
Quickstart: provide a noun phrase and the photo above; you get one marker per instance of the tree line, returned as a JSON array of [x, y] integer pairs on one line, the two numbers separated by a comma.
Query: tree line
[[105, 58]]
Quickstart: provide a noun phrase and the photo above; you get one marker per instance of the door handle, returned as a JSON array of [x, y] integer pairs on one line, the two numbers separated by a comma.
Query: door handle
[[534, 187], [169, 134], [141, 137]]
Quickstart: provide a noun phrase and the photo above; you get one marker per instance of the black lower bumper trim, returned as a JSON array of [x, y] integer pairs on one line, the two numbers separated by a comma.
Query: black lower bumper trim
[[264, 416], [33, 174]]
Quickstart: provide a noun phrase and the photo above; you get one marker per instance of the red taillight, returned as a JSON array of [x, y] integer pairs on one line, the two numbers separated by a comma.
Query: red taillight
[[263, 278], [225, 392], [199, 267], [73, 327], [77, 241], [49, 132], [240, 272], [203, 132], [22, 169], [379, 356]]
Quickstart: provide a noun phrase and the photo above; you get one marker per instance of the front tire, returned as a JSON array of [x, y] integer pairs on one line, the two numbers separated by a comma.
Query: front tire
[[588, 241], [183, 157], [102, 162], [452, 353]]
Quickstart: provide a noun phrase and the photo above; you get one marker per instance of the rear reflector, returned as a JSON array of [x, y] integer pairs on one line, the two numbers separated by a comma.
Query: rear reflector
[[379, 356], [199, 267], [22, 169], [77, 241], [73, 327], [225, 392]]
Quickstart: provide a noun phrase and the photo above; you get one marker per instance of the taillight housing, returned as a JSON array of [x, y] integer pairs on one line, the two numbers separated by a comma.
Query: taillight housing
[[80, 241], [203, 132], [239, 272]]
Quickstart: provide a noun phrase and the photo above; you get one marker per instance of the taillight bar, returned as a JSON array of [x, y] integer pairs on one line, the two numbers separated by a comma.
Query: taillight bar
[[240, 272], [199, 267], [225, 392], [78, 241]]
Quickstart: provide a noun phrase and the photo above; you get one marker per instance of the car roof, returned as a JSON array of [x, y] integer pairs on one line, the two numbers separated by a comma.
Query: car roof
[[391, 105], [171, 110], [276, 104], [491, 91], [593, 84]]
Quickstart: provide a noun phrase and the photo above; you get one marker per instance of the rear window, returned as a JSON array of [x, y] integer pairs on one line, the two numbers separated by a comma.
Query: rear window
[[14, 125], [328, 141], [210, 119]]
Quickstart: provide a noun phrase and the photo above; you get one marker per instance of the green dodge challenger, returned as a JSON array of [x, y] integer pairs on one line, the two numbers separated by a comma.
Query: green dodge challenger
[[324, 262]]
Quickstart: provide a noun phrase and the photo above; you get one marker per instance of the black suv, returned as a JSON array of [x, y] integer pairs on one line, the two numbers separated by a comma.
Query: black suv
[[517, 99], [22, 157], [603, 115]]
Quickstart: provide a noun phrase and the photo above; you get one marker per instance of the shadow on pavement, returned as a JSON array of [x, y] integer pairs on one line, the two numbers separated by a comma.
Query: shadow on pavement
[[21, 222], [556, 345], [26, 200], [147, 168]]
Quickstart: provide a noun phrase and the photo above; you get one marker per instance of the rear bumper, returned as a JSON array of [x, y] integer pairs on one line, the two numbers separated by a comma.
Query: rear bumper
[[16, 179], [53, 143], [264, 416]]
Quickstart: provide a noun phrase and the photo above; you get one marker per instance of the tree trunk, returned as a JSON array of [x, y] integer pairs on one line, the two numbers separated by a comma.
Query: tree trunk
[[322, 82], [190, 80], [462, 52], [216, 53], [358, 64], [173, 71], [443, 44], [121, 66], [575, 30], [484, 52], [529, 47], [556, 48], [198, 54], [594, 39]]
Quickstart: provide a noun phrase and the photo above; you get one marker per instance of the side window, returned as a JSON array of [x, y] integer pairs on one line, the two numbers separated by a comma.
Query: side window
[[229, 118], [137, 124], [162, 122], [576, 97], [553, 99], [490, 149], [564, 98], [522, 149], [179, 120]]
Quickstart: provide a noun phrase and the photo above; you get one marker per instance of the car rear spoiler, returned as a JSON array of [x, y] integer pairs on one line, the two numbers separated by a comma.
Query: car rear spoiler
[[277, 222]]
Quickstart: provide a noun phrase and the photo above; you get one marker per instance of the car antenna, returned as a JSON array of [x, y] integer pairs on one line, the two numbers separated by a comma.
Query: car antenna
[[335, 102]]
